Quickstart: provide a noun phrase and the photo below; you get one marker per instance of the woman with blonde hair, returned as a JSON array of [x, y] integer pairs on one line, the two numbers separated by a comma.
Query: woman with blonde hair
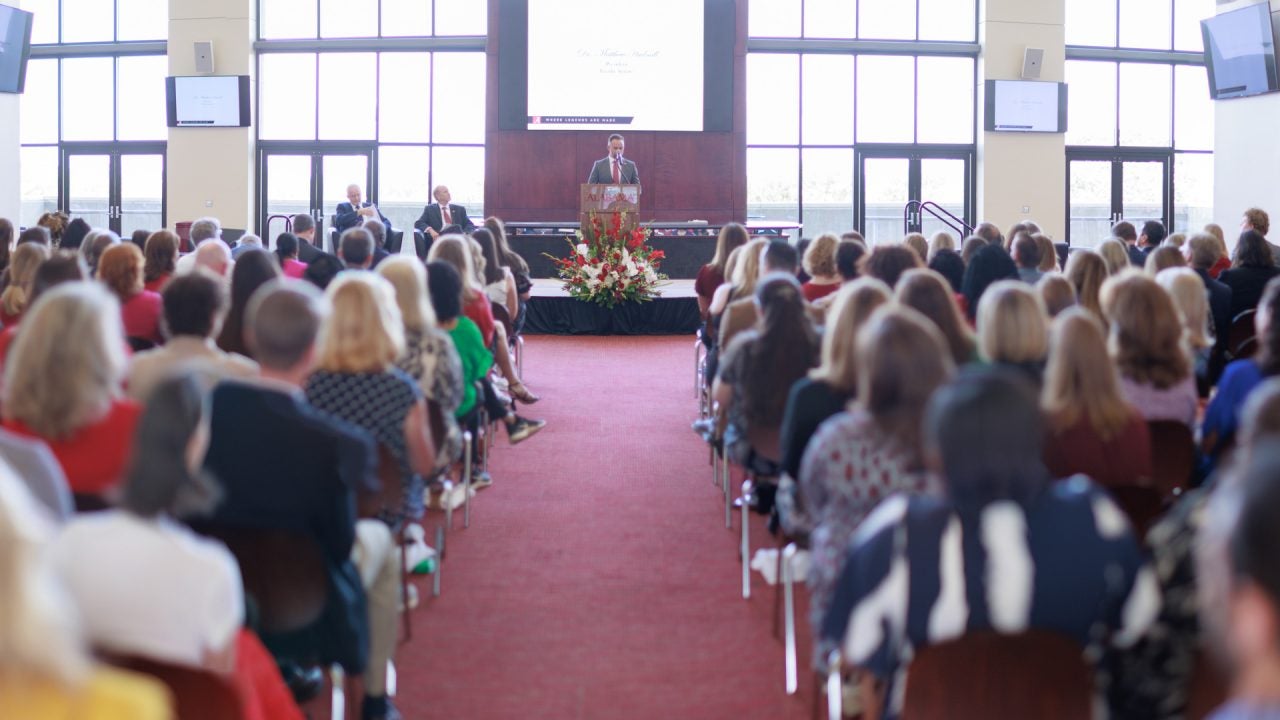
[[457, 251], [820, 263], [1187, 290], [941, 240], [1163, 258], [919, 244], [1087, 271], [25, 261], [120, 269], [1224, 257], [360, 341], [62, 384], [830, 386], [1048, 253], [46, 670], [1057, 292], [1147, 344], [1093, 430], [1114, 255], [873, 450], [715, 273], [1013, 328], [429, 357], [928, 293]]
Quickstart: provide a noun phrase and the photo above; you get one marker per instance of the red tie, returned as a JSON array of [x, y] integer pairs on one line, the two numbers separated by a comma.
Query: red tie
[[448, 219], [617, 176]]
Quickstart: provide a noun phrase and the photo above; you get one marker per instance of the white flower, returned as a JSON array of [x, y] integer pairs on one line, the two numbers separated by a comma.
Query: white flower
[[582, 249], [591, 271], [630, 267]]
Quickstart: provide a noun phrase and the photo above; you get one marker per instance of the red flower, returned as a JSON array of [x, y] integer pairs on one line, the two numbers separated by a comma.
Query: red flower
[[581, 261], [658, 255]]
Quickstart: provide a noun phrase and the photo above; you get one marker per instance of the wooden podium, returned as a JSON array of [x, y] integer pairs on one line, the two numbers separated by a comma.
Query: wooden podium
[[606, 201]]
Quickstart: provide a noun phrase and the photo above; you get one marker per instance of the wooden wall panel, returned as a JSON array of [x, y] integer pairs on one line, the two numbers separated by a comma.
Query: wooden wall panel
[[535, 175]]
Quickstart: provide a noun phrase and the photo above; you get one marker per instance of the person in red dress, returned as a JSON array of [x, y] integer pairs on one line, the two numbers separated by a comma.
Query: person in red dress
[[713, 274], [63, 385], [120, 269]]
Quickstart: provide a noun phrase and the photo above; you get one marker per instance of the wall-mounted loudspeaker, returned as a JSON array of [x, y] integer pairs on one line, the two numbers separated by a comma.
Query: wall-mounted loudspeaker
[[1032, 59], [204, 57]]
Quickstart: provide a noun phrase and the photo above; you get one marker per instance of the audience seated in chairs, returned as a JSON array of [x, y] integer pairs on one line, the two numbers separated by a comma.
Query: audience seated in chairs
[[1222, 416], [820, 264], [1056, 557], [15, 299], [887, 263], [254, 269], [283, 464], [45, 669], [356, 380], [1251, 269], [849, 254], [429, 356], [1013, 328], [825, 392], [1057, 293], [1092, 429], [194, 307], [1146, 342], [161, 255], [445, 286], [287, 255], [182, 603], [860, 457], [1087, 271], [927, 292], [63, 267], [715, 273], [120, 269], [63, 385], [499, 281], [989, 265], [735, 288], [1188, 295], [456, 250], [516, 264], [742, 313]]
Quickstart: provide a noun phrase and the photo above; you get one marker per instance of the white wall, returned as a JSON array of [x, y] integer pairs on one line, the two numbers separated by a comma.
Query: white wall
[[10, 192], [1246, 158]]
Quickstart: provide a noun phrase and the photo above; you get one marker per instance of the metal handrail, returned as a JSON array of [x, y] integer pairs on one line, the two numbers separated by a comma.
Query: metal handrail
[[936, 210]]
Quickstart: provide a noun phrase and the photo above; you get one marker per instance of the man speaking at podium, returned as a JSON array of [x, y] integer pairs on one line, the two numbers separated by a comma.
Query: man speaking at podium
[[614, 169]]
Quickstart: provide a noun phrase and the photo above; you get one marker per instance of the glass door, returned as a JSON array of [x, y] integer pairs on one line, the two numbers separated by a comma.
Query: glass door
[[287, 181], [1104, 188], [121, 189], [891, 177]]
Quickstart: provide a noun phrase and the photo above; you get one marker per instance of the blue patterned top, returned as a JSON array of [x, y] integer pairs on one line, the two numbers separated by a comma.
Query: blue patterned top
[[379, 403]]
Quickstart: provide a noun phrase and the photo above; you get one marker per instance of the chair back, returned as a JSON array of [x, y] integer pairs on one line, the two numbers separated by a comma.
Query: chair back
[[1173, 456], [283, 570], [1240, 336], [198, 694], [1036, 674], [1142, 504]]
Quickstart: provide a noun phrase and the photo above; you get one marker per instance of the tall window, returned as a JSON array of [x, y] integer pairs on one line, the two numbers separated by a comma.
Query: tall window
[[825, 109], [92, 128], [1140, 125], [396, 122]]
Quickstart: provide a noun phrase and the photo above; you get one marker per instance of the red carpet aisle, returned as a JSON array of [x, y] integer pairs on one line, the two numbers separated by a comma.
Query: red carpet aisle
[[597, 579]]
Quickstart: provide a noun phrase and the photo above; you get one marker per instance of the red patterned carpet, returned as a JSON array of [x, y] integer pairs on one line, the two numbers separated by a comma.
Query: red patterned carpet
[[597, 579]]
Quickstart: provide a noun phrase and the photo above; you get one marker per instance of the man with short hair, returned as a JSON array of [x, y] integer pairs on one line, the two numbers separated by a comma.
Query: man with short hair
[[1153, 233], [438, 216], [355, 249], [378, 232], [214, 257], [1201, 252], [304, 227], [1128, 234], [246, 241], [613, 169], [1026, 255], [989, 232], [194, 307], [283, 464], [354, 212], [36, 234], [202, 230]]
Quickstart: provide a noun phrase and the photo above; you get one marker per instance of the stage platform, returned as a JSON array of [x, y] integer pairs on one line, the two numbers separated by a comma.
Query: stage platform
[[553, 312]]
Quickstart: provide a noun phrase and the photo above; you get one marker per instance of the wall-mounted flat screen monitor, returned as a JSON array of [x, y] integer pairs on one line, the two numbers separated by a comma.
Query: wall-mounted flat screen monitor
[[208, 101], [1240, 52], [15, 48], [1026, 106]]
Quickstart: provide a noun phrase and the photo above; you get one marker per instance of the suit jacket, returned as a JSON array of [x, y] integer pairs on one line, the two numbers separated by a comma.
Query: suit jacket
[[1246, 285], [345, 217], [308, 252], [434, 219], [1220, 309], [602, 172], [283, 464]]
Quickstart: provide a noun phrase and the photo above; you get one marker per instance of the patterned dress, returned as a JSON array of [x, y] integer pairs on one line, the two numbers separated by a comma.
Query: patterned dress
[[432, 361], [379, 403], [848, 468]]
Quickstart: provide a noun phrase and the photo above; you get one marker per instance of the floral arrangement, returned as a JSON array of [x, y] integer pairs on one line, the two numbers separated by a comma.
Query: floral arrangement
[[611, 263]]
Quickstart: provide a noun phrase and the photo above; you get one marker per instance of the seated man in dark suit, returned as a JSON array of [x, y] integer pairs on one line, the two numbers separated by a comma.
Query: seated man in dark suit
[[283, 464], [304, 227], [354, 212], [442, 213], [1201, 251]]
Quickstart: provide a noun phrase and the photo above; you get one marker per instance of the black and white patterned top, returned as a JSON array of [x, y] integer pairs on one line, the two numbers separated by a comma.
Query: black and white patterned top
[[379, 403], [431, 359]]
